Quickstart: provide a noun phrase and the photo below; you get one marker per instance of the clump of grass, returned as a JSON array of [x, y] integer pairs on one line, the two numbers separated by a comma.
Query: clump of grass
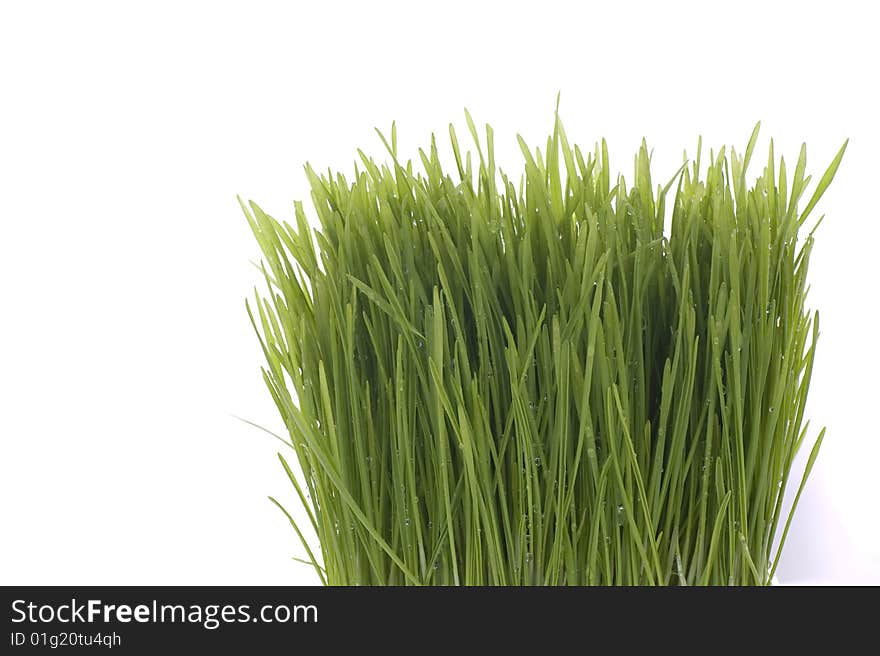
[[486, 383]]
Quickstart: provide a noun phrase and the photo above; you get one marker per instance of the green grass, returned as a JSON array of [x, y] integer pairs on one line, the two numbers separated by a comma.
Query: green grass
[[536, 382]]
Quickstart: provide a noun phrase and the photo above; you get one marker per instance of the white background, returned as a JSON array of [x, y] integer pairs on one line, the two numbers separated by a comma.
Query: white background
[[127, 131]]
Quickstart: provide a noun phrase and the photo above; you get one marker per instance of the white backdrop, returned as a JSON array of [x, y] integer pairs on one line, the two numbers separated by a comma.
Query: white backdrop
[[126, 133]]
